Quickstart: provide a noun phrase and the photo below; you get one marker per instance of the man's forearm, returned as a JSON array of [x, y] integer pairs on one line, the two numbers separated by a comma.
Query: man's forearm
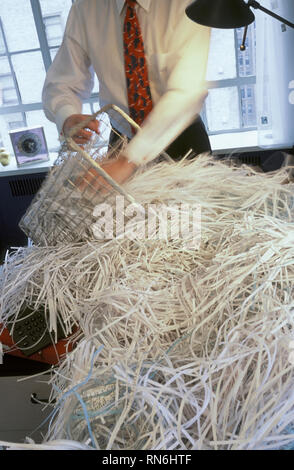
[[185, 93], [163, 126]]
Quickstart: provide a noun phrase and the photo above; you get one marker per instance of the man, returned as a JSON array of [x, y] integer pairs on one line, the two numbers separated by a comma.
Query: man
[[175, 52]]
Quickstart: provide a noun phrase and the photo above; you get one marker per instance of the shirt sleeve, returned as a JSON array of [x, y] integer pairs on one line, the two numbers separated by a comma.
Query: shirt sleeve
[[184, 95], [70, 78]]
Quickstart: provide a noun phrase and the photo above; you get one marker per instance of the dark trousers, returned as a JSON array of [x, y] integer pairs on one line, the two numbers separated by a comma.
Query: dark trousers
[[194, 137]]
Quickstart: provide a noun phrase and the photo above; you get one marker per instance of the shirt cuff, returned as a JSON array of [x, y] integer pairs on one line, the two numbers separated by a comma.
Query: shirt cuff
[[62, 114], [163, 126]]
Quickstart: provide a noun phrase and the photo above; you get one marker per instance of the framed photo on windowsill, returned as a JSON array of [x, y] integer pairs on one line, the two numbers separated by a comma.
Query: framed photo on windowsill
[[29, 145]]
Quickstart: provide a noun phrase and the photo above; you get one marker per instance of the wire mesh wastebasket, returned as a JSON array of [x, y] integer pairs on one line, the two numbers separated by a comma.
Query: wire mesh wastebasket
[[62, 210]]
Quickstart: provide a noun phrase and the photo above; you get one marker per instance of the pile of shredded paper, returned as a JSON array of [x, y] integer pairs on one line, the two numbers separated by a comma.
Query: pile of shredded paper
[[181, 345]]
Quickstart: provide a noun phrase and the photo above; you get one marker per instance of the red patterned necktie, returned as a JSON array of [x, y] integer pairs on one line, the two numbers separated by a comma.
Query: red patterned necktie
[[138, 88]]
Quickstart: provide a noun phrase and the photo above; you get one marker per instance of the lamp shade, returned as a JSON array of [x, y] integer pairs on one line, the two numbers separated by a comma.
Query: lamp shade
[[224, 14]]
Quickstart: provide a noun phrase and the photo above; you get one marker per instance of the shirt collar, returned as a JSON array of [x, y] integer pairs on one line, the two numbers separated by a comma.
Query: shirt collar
[[143, 3]]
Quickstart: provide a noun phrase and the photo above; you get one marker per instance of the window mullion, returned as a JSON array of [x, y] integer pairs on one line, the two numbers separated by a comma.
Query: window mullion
[[231, 82], [40, 27], [238, 78], [20, 108]]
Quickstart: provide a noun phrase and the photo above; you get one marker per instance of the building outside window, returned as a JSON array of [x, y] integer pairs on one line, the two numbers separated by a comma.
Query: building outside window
[[8, 92], [31, 32], [54, 29], [2, 45]]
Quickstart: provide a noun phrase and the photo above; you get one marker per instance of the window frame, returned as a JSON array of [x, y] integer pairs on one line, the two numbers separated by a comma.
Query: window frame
[[238, 82]]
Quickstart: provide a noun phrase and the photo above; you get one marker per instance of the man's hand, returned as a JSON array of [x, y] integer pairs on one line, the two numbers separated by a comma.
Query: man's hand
[[81, 137], [119, 169]]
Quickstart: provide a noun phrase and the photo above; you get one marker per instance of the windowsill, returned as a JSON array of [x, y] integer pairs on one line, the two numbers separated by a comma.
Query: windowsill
[[236, 142], [38, 167]]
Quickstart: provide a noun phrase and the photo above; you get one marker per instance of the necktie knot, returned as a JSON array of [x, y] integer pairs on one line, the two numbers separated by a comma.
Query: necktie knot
[[131, 3]]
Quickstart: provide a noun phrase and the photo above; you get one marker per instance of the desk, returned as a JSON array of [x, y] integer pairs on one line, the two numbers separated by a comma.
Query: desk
[[19, 417], [18, 186], [39, 167]]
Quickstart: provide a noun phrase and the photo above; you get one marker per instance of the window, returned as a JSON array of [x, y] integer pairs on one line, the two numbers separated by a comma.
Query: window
[[230, 105], [30, 33]]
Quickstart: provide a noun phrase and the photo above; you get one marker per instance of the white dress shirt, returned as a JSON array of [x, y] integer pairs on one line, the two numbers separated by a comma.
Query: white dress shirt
[[176, 52]]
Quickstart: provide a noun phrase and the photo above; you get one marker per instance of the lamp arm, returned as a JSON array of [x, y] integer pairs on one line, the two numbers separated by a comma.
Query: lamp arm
[[243, 46], [256, 5]]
